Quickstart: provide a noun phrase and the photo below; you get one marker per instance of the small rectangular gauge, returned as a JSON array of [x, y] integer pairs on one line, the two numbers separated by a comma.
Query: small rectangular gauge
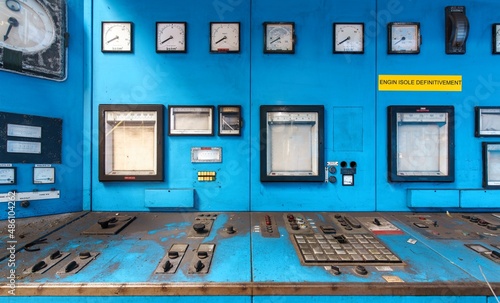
[[191, 120], [8, 176], [491, 165], [206, 154], [230, 120], [487, 121], [44, 175]]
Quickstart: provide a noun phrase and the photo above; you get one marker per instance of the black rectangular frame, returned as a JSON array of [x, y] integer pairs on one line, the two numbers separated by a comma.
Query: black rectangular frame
[[159, 108], [264, 109], [347, 52], [485, 165], [171, 51], [219, 111], [477, 111], [15, 175], [392, 112]]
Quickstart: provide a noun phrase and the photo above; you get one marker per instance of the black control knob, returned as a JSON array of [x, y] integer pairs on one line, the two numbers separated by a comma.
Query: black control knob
[[167, 266], [492, 227], [335, 270], [202, 254], [85, 255], [474, 219], [230, 229], [71, 266], [199, 266], [361, 270], [39, 266], [295, 226], [55, 255], [104, 223], [199, 227], [376, 222], [173, 254]]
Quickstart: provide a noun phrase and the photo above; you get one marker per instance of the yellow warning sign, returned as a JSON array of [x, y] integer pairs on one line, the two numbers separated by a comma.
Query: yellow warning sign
[[442, 83]]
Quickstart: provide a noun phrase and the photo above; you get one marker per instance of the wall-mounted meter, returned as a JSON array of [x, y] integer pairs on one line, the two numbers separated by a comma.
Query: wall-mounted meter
[[487, 121], [130, 142], [291, 143], [191, 120], [230, 120], [43, 174], [7, 175], [421, 143], [491, 165]]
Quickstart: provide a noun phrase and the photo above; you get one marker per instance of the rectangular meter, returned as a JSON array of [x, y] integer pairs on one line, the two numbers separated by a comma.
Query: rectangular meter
[[130, 142], [421, 143], [491, 165], [191, 120], [291, 143], [487, 121]]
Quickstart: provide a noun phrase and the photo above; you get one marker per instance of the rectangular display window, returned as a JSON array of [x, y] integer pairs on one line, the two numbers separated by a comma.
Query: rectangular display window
[[421, 144], [191, 120], [130, 142], [291, 143], [487, 121], [491, 165]]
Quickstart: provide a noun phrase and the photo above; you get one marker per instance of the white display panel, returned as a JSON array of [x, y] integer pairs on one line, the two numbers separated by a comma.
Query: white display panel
[[487, 121], [293, 143], [421, 143], [491, 158], [131, 143], [191, 120]]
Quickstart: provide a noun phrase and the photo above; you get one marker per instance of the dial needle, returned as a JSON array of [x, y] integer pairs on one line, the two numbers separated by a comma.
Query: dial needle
[[402, 39], [117, 37], [222, 39], [346, 39], [275, 40], [169, 38], [12, 23]]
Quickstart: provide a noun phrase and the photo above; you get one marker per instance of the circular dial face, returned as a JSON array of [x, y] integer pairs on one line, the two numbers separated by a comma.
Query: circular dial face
[[170, 36], [279, 38], [348, 38], [116, 37], [26, 26], [225, 37], [404, 38], [7, 175], [496, 39]]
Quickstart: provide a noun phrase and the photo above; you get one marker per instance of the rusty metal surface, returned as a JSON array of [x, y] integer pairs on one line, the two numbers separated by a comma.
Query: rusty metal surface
[[30, 229], [253, 289]]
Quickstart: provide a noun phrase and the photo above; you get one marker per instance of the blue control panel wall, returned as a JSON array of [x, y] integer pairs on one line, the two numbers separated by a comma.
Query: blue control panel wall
[[355, 111], [62, 100]]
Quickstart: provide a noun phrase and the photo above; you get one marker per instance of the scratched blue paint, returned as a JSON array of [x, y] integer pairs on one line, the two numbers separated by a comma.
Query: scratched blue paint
[[457, 253], [364, 299]]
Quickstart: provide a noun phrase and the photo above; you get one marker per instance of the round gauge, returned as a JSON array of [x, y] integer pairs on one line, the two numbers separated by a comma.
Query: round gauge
[[170, 37], [279, 37], [348, 38], [224, 37], [403, 38], [26, 26], [7, 175], [496, 38], [116, 37], [44, 175]]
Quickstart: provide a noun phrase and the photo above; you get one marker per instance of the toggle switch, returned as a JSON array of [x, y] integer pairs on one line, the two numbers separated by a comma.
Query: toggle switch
[[199, 266], [167, 266], [172, 259], [55, 255], [361, 270], [39, 266], [71, 266]]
